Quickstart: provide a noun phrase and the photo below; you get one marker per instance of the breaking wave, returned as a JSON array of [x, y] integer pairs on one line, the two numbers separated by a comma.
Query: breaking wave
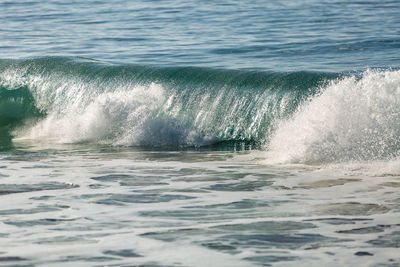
[[298, 117], [76, 100], [355, 118]]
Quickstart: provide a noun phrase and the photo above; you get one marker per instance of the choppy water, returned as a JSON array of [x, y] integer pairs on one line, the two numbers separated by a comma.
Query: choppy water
[[182, 133], [84, 205]]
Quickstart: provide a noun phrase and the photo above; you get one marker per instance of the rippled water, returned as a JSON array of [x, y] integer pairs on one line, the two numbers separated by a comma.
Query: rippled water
[[208, 133], [104, 206], [274, 35]]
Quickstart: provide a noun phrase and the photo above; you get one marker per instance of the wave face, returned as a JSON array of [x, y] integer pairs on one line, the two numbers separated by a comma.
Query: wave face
[[75, 100], [301, 117], [355, 118]]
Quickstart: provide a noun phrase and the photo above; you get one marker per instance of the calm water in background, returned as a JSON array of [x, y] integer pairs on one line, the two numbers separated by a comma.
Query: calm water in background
[[266, 35], [128, 128]]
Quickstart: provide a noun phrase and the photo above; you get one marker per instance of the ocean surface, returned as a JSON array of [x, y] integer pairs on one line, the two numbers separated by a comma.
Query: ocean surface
[[199, 133]]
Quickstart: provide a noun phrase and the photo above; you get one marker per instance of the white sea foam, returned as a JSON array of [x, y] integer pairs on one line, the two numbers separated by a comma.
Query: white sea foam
[[130, 117], [352, 119], [108, 117]]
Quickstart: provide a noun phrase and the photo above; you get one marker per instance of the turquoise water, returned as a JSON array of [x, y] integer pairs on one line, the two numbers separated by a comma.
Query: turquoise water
[[182, 133]]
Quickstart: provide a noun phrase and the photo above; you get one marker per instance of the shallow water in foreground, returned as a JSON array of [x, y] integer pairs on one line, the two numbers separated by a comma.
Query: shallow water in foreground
[[102, 206]]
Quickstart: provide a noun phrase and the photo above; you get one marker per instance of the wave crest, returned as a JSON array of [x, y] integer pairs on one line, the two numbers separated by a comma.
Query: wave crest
[[352, 119]]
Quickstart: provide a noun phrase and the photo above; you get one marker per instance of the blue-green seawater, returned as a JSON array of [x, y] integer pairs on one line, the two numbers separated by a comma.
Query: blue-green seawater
[[199, 133], [265, 35]]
